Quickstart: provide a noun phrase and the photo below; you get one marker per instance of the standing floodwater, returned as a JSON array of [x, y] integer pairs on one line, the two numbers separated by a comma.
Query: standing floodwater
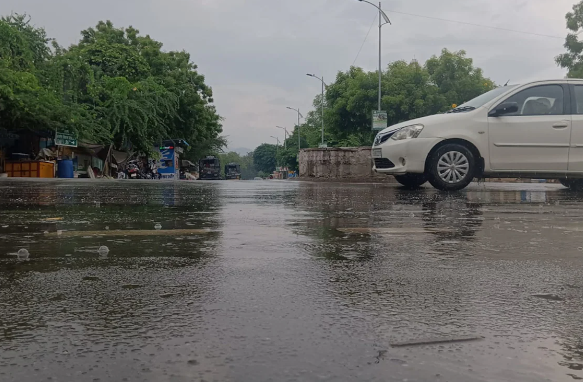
[[288, 281]]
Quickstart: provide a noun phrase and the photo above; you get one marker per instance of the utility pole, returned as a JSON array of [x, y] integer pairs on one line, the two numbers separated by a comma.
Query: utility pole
[[380, 63], [299, 115], [382, 15], [322, 102], [284, 136], [276, 151]]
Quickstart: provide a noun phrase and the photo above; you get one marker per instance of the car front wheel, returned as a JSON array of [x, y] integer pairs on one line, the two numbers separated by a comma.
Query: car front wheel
[[411, 180], [451, 167]]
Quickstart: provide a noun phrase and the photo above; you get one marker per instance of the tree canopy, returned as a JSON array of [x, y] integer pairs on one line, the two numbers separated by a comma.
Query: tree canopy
[[265, 158], [573, 58], [409, 90], [114, 86]]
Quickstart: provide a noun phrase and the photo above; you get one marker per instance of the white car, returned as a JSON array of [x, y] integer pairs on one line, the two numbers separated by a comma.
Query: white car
[[533, 130]]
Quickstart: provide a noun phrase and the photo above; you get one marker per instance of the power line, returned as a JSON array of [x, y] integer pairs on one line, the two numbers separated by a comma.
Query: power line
[[476, 25], [369, 29]]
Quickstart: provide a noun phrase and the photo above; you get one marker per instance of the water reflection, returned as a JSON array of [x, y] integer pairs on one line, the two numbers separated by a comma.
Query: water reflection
[[276, 275], [71, 287]]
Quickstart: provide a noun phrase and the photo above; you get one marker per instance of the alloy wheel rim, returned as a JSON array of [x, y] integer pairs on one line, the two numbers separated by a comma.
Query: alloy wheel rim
[[453, 167]]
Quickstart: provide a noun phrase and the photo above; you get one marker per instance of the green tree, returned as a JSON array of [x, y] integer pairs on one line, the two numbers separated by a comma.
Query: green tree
[[288, 157], [409, 91], [572, 60], [142, 94], [114, 85], [24, 102], [265, 158], [456, 77]]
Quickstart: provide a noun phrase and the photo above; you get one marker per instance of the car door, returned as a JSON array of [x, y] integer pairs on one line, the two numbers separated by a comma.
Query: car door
[[537, 136], [576, 150]]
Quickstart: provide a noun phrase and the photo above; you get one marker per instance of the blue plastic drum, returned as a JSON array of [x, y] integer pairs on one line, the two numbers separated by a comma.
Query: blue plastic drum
[[65, 168]]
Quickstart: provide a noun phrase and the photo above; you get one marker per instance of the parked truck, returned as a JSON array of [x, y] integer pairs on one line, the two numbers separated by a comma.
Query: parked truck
[[209, 168], [232, 171]]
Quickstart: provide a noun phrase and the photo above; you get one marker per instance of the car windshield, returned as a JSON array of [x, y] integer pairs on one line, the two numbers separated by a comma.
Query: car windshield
[[483, 99]]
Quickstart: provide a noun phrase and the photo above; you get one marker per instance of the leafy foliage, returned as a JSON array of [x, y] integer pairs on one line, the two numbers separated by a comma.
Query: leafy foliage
[[456, 78], [114, 86], [409, 91], [573, 59], [265, 158]]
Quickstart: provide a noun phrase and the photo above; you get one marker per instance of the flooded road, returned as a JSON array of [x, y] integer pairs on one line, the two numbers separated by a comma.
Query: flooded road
[[289, 281]]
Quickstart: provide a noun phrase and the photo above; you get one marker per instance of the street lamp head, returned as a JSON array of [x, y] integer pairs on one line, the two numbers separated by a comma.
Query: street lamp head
[[290, 108], [387, 21], [385, 17], [310, 75]]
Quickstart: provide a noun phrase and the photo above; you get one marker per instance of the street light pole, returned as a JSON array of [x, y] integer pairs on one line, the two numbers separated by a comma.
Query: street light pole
[[284, 136], [299, 115], [382, 15], [322, 102], [276, 150]]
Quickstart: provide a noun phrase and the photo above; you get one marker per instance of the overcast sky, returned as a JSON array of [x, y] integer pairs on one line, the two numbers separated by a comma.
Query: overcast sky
[[255, 53]]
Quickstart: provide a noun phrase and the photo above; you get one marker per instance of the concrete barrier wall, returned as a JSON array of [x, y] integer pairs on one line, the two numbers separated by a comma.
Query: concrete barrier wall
[[337, 163]]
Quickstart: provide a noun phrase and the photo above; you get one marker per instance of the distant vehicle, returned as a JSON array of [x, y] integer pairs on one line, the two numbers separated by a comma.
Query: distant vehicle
[[209, 168], [232, 171], [258, 178], [134, 171], [520, 131]]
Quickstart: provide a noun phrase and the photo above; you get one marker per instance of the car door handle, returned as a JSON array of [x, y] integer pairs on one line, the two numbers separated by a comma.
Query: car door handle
[[561, 125]]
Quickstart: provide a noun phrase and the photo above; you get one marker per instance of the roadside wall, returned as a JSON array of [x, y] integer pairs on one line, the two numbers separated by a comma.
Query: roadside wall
[[338, 163]]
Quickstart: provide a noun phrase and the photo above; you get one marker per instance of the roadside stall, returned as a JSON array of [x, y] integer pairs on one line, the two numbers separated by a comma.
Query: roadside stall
[[186, 170], [21, 157]]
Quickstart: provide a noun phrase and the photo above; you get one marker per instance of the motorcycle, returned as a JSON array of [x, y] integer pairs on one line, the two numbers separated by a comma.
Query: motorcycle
[[135, 172]]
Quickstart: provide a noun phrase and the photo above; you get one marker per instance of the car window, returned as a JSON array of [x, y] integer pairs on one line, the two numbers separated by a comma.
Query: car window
[[481, 100], [538, 100], [579, 98]]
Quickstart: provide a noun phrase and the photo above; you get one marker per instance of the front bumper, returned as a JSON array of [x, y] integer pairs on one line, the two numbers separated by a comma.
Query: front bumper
[[405, 156]]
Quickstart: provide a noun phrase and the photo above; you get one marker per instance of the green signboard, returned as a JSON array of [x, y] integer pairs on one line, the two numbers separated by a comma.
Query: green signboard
[[379, 120], [65, 138]]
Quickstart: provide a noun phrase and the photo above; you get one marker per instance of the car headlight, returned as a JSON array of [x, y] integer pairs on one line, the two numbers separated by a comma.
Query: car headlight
[[408, 132]]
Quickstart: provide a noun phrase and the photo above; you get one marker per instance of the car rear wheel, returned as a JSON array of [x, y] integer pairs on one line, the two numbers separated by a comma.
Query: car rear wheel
[[451, 167], [411, 180]]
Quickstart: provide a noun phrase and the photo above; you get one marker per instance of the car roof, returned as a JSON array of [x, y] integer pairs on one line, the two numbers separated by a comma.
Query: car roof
[[556, 80]]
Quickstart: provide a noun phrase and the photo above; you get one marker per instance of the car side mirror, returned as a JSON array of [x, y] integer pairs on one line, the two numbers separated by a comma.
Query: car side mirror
[[503, 109]]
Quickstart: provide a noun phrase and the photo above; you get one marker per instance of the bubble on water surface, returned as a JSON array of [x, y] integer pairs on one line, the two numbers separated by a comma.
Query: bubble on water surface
[[22, 254], [158, 226], [103, 250]]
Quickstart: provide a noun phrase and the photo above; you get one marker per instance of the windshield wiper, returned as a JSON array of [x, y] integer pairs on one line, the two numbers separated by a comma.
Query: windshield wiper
[[460, 109]]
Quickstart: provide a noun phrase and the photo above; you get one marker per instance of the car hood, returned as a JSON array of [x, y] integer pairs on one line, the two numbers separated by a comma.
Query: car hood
[[425, 121]]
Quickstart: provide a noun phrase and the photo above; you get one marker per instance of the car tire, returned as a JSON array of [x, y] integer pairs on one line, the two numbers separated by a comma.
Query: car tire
[[451, 167], [411, 181], [572, 184]]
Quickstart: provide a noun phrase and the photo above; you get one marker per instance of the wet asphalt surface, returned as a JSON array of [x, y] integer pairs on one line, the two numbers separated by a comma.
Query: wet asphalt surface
[[289, 281]]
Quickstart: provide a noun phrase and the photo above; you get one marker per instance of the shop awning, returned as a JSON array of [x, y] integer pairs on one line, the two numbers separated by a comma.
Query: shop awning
[[119, 156]]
